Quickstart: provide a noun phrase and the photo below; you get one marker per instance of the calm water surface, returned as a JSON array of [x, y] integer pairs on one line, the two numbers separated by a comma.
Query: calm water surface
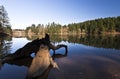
[[89, 57]]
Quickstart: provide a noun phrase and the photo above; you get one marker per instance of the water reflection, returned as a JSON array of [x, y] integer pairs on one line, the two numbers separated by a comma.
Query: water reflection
[[11, 59], [5, 45], [110, 41], [89, 57], [105, 41], [85, 62]]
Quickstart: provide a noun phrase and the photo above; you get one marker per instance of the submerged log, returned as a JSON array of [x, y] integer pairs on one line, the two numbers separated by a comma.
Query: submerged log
[[33, 47], [42, 68], [41, 63], [26, 61]]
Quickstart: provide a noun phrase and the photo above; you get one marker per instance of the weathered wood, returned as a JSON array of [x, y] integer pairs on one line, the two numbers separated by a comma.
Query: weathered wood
[[38, 67], [33, 47], [41, 62]]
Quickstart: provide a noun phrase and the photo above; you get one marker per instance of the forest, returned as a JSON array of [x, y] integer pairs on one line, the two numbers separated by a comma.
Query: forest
[[109, 25]]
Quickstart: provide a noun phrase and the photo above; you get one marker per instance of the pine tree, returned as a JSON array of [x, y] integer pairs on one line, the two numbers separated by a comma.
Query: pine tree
[[4, 20]]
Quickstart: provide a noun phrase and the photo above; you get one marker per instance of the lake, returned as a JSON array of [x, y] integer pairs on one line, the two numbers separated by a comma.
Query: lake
[[88, 57]]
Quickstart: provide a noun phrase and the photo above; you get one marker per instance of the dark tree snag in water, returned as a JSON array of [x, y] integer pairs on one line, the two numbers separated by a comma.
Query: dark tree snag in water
[[42, 62], [33, 47], [26, 61]]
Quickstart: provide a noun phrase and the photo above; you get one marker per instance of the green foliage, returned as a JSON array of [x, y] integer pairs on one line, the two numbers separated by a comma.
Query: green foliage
[[4, 22], [97, 26], [53, 28], [8, 30]]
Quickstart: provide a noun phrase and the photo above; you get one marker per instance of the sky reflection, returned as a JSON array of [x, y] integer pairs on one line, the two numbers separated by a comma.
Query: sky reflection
[[81, 62]]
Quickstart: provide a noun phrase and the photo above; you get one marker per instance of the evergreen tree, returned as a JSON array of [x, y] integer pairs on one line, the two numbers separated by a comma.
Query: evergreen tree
[[4, 21], [97, 26]]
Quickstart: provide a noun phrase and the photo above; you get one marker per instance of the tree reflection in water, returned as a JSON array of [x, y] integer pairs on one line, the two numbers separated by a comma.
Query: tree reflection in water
[[5, 45], [105, 41], [89, 57]]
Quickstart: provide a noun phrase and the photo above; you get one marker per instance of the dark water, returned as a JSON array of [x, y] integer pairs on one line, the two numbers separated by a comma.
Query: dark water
[[89, 57]]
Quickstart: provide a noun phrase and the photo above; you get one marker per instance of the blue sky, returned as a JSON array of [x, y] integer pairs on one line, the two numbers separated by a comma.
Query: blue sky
[[23, 13]]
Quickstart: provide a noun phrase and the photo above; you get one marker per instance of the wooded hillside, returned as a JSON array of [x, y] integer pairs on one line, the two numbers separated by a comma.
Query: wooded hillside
[[98, 26]]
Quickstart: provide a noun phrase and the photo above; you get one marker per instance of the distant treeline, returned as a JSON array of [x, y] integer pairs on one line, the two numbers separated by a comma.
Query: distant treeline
[[97, 26]]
